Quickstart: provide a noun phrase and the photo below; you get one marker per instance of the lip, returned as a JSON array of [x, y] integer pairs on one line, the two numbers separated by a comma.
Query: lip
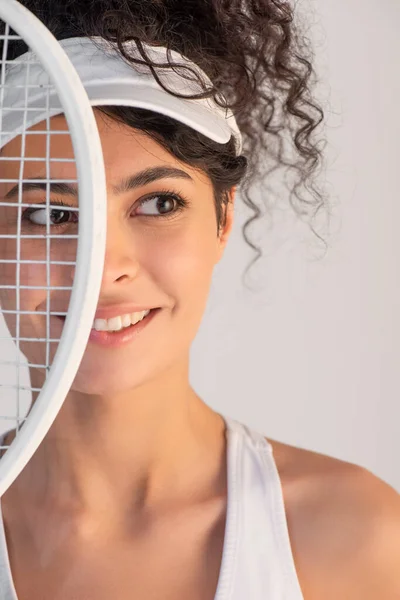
[[124, 336]]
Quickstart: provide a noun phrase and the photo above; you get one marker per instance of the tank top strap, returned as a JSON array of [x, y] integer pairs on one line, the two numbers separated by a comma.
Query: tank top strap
[[258, 440], [264, 565]]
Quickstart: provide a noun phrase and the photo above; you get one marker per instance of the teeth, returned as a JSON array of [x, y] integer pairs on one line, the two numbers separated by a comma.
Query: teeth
[[126, 320], [100, 325], [118, 323], [114, 324], [136, 317]]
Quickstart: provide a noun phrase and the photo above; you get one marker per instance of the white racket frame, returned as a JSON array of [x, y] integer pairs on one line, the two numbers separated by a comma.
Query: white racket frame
[[91, 241]]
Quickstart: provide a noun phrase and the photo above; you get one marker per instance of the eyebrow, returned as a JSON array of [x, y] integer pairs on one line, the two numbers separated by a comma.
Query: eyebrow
[[132, 182]]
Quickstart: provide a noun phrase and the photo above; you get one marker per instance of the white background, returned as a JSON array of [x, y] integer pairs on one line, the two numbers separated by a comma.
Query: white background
[[313, 359]]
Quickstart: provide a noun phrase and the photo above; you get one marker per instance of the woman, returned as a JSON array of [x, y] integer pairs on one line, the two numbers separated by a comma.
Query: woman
[[140, 490]]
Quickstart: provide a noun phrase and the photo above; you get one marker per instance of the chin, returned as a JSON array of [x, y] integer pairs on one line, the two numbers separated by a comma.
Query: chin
[[103, 384], [112, 379]]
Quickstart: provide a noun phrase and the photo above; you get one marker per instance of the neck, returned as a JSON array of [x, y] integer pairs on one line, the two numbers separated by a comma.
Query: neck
[[136, 450]]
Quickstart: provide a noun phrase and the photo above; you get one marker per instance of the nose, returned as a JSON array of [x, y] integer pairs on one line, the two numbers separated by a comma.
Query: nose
[[121, 264]]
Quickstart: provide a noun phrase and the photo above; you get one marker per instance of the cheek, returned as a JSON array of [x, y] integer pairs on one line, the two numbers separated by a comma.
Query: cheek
[[30, 274], [184, 266], [32, 300], [27, 300]]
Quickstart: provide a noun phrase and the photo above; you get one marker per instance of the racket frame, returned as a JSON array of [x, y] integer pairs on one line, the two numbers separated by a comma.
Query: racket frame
[[91, 239]]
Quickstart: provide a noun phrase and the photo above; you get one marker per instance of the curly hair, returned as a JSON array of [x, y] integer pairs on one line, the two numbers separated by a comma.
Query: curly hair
[[260, 66]]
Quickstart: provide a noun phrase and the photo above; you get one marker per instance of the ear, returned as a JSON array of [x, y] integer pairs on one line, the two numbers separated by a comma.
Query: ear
[[226, 228]]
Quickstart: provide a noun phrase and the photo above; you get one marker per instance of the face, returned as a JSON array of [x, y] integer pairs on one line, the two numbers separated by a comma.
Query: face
[[162, 246]]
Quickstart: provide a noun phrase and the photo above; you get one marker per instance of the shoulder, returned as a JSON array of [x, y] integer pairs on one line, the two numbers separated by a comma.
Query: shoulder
[[344, 526]]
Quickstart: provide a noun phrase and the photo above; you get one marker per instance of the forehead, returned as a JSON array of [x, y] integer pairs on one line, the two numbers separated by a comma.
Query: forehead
[[50, 148]]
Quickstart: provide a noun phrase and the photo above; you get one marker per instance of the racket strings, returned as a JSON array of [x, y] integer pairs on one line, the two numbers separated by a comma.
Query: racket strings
[[30, 261]]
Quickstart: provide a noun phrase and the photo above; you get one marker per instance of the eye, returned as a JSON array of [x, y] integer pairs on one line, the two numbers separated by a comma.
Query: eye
[[161, 205], [55, 216]]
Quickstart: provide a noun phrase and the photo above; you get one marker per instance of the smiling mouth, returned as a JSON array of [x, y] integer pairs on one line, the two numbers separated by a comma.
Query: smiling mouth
[[118, 338], [118, 324]]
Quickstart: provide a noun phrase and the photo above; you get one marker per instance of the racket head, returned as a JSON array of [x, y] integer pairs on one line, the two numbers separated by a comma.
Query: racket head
[[60, 369]]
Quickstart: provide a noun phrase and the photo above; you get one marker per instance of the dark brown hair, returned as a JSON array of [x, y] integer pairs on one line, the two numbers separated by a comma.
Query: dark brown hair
[[260, 67]]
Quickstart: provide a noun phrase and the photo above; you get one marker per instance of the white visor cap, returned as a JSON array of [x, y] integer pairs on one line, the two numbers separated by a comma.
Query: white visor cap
[[111, 80]]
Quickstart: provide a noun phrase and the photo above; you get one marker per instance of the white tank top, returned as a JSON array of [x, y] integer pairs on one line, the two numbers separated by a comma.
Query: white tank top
[[257, 560]]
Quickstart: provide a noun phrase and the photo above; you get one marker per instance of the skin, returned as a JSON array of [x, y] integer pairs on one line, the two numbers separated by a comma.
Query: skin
[[113, 481]]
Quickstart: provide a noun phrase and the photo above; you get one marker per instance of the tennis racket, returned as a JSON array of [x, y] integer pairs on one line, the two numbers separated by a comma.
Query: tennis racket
[[51, 254]]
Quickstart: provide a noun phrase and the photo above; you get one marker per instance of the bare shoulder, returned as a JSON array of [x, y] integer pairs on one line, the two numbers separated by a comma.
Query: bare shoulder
[[344, 526]]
